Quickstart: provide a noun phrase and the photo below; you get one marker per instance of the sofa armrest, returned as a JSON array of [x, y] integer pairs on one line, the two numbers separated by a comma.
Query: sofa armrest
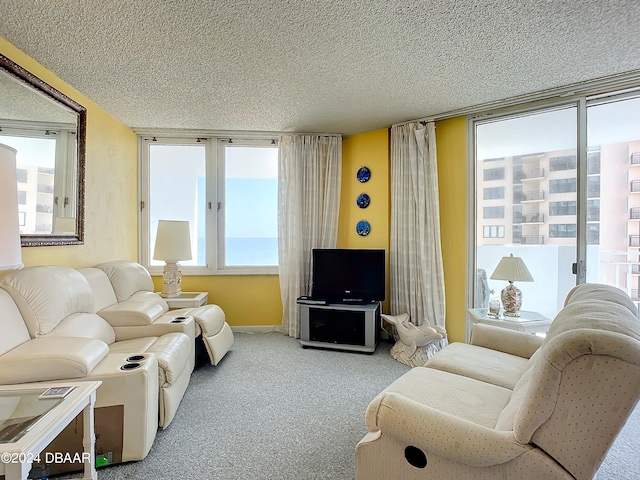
[[443, 434], [126, 314], [51, 358], [504, 340]]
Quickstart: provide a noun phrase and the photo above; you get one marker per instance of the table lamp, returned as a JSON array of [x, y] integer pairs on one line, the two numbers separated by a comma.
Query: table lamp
[[173, 243], [10, 247], [511, 269]]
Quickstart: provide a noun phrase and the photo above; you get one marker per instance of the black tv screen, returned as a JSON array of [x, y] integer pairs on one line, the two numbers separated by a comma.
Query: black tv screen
[[348, 275]]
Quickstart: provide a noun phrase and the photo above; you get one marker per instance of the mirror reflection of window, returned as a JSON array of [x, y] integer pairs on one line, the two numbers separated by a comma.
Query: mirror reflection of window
[[43, 196]]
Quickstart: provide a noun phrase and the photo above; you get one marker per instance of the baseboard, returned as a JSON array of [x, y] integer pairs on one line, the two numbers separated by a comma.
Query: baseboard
[[257, 328]]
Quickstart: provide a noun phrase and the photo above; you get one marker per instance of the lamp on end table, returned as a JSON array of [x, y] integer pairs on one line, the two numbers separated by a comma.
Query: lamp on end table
[[173, 243], [511, 269]]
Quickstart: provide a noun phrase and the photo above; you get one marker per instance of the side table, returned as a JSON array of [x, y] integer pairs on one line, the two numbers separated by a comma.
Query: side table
[[528, 322], [34, 422], [188, 299]]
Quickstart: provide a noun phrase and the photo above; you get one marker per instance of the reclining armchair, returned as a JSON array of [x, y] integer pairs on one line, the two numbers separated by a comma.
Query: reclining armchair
[[132, 283], [511, 405]]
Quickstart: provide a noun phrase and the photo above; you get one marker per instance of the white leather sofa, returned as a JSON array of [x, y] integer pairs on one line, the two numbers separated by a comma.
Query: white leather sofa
[[51, 333], [512, 405]]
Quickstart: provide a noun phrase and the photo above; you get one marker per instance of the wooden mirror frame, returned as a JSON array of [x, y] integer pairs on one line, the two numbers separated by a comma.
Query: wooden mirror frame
[[26, 77]]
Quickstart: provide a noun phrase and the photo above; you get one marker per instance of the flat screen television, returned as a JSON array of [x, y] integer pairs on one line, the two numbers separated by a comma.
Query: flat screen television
[[344, 275]]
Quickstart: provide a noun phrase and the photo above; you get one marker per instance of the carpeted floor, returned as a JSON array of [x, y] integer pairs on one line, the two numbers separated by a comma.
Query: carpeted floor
[[273, 410]]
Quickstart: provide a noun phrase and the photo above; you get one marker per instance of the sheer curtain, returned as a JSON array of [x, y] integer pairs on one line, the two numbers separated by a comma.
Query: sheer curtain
[[309, 176], [417, 276]]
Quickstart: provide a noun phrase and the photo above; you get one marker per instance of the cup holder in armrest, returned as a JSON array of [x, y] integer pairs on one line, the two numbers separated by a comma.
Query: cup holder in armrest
[[136, 358], [178, 319], [130, 366]]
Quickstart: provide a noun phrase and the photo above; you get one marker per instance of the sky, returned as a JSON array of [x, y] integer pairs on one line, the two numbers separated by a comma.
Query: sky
[[552, 130]]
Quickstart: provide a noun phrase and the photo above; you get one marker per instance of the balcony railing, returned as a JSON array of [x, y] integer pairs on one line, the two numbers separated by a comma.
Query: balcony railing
[[44, 208], [634, 295], [634, 187], [532, 240], [528, 218], [634, 240], [533, 196], [529, 174], [634, 213], [635, 158], [635, 269], [42, 188]]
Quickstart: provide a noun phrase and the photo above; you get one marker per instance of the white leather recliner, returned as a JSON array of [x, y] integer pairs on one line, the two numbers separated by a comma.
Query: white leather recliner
[[132, 283], [142, 326]]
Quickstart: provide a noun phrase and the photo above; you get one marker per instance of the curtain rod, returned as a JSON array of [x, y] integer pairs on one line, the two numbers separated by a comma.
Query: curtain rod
[[189, 133], [588, 87]]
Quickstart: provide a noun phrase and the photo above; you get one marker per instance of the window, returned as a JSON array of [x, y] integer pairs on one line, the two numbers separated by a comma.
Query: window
[[251, 205], [563, 208], [493, 174], [226, 189], [563, 185], [593, 163], [567, 162], [493, 231], [22, 197], [493, 193], [562, 230], [593, 233], [593, 186], [493, 212], [21, 174], [593, 210]]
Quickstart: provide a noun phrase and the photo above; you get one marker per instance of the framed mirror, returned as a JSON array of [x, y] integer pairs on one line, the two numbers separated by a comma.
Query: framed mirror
[[48, 131]]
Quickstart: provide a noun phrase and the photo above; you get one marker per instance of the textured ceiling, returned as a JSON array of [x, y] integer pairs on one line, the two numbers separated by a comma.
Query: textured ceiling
[[345, 66]]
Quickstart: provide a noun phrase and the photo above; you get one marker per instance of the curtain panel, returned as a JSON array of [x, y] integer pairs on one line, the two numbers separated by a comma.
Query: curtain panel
[[416, 271], [309, 178]]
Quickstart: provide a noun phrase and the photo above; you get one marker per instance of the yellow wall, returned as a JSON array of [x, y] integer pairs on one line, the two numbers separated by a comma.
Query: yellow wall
[[111, 183], [371, 150], [451, 145]]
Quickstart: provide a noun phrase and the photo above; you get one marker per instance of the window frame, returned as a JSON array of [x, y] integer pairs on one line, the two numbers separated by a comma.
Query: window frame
[[214, 208]]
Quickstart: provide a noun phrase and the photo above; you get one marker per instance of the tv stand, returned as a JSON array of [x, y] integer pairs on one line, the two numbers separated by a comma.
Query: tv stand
[[340, 326]]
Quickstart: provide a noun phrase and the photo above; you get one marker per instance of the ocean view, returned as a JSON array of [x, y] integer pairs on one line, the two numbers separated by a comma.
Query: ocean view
[[251, 251]]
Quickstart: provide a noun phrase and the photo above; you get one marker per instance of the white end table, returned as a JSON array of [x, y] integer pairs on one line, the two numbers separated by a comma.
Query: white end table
[[188, 299], [47, 420], [527, 322]]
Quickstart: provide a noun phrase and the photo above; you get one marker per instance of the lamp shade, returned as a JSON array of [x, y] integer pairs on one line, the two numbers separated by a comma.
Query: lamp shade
[[512, 269], [10, 250], [173, 241]]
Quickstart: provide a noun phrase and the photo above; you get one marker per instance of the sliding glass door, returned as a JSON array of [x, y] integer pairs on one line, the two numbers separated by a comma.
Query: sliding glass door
[[526, 203], [560, 188], [613, 192]]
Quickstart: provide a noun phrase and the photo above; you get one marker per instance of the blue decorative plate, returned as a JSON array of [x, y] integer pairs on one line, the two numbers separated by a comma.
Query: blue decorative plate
[[363, 175], [363, 200], [363, 228]]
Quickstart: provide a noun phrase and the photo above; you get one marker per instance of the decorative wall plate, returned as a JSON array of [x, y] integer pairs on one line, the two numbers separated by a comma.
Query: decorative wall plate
[[363, 200], [363, 228], [363, 175]]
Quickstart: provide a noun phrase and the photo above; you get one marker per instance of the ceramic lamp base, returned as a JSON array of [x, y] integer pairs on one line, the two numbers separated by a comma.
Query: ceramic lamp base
[[511, 297], [171, 281]]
